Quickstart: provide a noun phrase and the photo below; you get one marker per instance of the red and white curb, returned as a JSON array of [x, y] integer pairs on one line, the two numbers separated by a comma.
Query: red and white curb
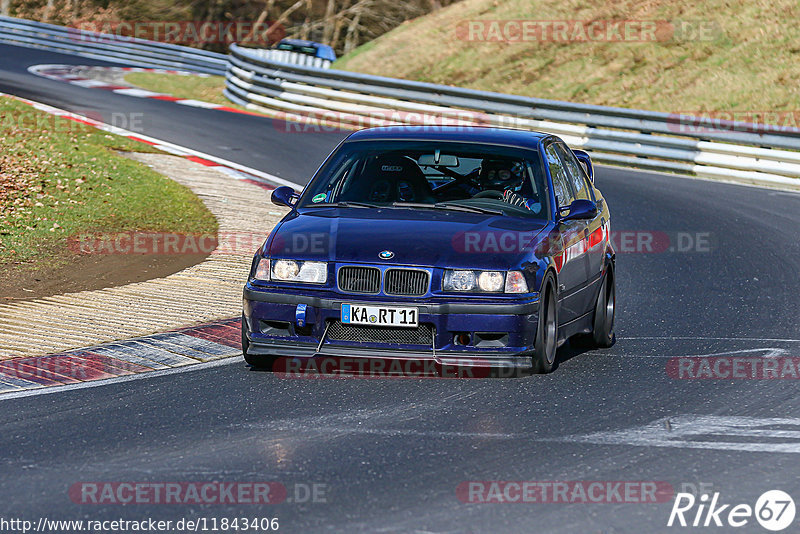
[[81, 75], [233, 169], [74, 74], [199, 344]]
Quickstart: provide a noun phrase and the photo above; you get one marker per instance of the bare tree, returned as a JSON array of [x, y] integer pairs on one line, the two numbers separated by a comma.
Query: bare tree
[[48, 10], [343, 24], [329, 21]]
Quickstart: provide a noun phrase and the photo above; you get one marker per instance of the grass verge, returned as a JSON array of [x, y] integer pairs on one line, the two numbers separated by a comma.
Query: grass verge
[[205, 89], [59, 178]]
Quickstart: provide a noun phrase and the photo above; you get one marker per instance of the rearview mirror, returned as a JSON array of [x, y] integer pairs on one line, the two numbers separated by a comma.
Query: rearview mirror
[[437, 160], [586, 161], [284, 196], [580, 209]]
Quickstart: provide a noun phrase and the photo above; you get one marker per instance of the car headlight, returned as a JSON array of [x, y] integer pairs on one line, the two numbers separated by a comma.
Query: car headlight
[[458, 281], [262, 269], [312, 272], [491, 281], [481, 281], [485, 281]]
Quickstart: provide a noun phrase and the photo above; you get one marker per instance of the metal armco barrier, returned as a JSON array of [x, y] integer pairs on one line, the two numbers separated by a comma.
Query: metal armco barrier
[[266, 81], [644, 139], [138, 52], [287, 56]]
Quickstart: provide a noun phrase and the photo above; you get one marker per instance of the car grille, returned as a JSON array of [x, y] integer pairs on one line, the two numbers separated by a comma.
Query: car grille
[[421, 335], [405, 282], [367, 280], [360, 279]]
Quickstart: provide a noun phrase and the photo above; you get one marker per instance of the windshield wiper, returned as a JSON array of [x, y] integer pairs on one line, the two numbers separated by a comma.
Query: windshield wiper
[[471, 209], [447, 206], [413, 205], [351, 204]]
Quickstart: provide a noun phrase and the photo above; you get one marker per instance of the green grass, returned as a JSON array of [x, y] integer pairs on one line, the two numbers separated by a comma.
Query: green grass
[[750, 63], [206, 89], [59, 178]]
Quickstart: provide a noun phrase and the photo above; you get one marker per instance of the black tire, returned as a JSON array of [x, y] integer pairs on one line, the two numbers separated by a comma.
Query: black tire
[[259, 362], [545, 347], [605, 312]]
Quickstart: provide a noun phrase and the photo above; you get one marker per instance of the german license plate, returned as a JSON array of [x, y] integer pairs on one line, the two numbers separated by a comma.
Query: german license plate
[[379, 315]]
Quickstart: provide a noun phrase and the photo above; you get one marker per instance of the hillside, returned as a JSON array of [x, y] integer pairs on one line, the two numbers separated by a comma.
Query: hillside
[[718, 55]]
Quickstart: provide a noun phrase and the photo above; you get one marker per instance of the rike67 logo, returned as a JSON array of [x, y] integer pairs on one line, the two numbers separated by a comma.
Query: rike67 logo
[[774, 510]]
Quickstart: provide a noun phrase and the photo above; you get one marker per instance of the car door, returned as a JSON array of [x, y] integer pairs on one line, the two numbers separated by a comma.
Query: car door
[[595, 228], [572, 265]]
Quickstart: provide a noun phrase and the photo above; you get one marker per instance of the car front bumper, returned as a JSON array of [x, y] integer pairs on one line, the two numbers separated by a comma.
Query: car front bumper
[[500, 333]]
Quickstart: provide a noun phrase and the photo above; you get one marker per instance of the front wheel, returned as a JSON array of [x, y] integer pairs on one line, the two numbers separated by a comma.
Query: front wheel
[[259, 362], [544, 352]]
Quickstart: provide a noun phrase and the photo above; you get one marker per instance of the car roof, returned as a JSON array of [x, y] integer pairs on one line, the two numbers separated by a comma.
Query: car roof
[[465, 134], [323, 51]]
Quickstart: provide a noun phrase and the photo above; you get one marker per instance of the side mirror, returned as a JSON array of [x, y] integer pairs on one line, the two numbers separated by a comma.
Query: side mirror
[[586, 161], [580, 209], [284, 196]]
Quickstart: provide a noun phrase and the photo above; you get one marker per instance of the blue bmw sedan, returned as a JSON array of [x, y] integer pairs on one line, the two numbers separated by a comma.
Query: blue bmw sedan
[[463, 246]]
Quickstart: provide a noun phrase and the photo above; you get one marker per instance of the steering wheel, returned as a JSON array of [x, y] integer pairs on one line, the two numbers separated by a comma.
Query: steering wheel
[[462, 179], [490, 193]]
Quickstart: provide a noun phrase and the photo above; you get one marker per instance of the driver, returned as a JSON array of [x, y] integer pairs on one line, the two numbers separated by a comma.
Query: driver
[[509, 178]]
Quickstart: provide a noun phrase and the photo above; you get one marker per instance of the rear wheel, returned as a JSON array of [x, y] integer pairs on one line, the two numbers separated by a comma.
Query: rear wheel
[[605, 312], [544, 352]]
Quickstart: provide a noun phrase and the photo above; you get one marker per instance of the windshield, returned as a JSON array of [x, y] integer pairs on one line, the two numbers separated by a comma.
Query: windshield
[[435, 175]]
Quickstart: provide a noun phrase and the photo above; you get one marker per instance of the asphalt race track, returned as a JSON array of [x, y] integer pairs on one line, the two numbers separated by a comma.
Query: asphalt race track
[[390, 453]]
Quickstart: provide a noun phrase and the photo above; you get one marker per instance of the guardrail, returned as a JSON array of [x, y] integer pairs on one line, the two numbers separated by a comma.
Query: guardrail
[[263, 81], [288, 56], [643, 139], [138, 52]]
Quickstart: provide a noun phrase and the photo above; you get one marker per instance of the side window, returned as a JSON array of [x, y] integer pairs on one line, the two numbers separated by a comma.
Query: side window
[[574, 173], [561, 187]]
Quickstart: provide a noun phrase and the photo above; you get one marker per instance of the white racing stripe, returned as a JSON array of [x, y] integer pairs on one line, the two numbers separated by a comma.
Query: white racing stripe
[[751, 434], [692, 338], [761, 352], [197, 104], [133, 91]]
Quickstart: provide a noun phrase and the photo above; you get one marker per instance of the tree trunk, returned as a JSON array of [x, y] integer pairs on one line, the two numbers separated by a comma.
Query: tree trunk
[[48, 10], [283, 17], [352, 34], [329, 22], [260, 20]]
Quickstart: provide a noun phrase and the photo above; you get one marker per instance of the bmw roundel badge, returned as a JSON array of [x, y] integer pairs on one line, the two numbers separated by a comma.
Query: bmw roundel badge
[[386, 255]]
